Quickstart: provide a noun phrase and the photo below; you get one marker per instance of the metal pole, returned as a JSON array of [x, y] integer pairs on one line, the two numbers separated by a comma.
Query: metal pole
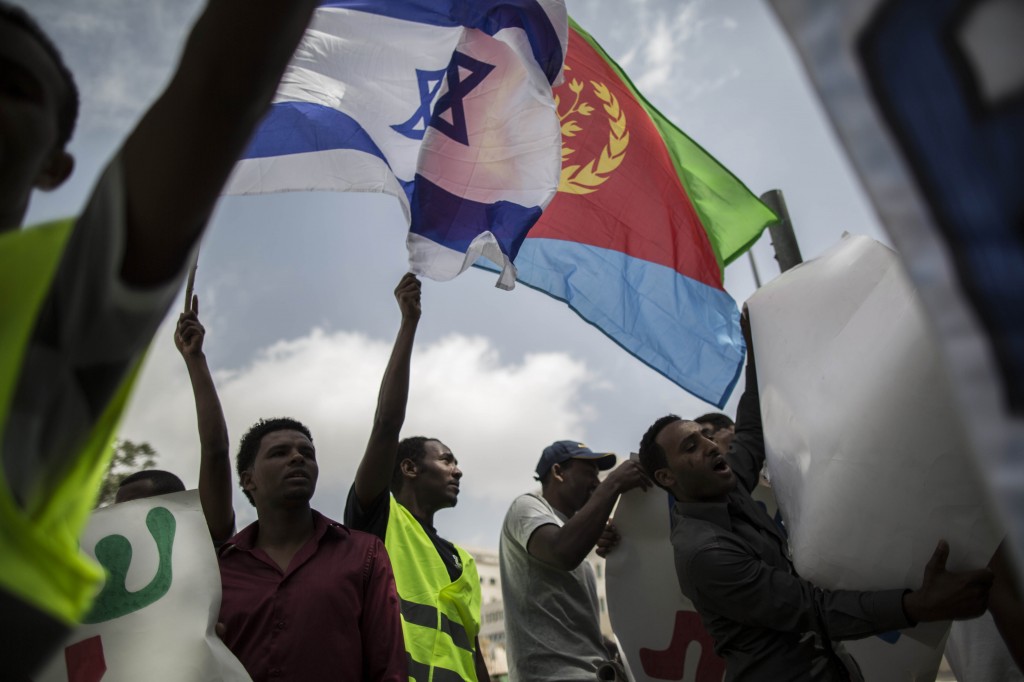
[[190, 284], [787, 251], [753, 266]]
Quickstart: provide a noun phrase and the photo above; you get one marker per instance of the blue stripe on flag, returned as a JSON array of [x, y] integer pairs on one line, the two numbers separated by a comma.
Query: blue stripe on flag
[[489, 17], [685, 330], [299, 127], [454, 221], [303, 127]]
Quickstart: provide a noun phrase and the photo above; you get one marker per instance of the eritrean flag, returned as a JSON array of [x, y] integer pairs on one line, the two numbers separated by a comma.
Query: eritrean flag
[[642, 226]]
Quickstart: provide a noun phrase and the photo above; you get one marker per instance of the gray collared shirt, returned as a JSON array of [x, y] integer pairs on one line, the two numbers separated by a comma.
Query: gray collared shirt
[[733, 564]]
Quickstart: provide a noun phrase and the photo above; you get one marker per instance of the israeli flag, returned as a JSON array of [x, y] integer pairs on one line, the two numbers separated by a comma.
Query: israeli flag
[[444, 104]]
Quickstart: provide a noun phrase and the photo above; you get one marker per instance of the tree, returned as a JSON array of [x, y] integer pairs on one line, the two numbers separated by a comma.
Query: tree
[[128, 458]]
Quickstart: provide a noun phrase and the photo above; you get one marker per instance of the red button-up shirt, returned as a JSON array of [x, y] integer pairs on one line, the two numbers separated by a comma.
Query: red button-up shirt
[[332, 615]]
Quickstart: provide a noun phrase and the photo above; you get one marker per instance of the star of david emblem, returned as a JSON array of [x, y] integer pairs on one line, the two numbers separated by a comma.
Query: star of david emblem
[[429, 83], [463, 74]]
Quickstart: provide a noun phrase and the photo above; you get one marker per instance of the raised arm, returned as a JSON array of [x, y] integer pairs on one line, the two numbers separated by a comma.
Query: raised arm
[[746, 452], [214, 447], [179, 157], [567, 546], [374, 473]]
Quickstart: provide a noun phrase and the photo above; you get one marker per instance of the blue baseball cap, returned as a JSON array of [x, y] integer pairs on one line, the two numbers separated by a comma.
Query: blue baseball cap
[[561, 450]]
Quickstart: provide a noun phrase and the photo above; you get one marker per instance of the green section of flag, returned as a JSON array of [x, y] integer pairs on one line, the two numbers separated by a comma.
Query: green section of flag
[[731, 214]]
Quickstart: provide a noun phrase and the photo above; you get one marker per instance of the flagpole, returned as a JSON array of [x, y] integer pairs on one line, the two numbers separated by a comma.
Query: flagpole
[[753, 266], [190, 283], [787, 251]]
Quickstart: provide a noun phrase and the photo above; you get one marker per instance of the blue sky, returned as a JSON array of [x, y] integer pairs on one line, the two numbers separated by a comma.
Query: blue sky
[[296, 289]]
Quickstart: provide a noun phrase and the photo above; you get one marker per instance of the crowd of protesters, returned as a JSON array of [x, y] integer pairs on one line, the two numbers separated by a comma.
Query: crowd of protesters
[[382, 596]]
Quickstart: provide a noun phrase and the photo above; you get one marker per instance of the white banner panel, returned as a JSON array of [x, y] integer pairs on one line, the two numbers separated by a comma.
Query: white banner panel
[[659, 631], [155, 615], [868, 455]]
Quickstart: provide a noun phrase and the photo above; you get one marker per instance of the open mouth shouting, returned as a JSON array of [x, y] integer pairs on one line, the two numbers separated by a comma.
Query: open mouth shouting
[[720, 466]]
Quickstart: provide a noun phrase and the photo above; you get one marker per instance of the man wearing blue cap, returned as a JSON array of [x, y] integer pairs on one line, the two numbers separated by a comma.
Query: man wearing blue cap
[[552, 622]]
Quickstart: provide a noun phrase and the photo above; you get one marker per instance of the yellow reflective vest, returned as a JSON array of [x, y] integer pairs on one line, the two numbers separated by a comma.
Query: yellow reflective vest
[[40, 562], [440, 618]]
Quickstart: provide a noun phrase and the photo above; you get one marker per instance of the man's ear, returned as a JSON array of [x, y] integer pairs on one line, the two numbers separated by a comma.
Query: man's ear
[[56, 171], [665, 478], [408, 468], [245, 478], [556, 472]]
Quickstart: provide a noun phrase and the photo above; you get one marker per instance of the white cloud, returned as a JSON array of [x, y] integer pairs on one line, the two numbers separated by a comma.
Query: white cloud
[[495, 415], [674, 51], [659, 56], [626, 61], [662, 52]]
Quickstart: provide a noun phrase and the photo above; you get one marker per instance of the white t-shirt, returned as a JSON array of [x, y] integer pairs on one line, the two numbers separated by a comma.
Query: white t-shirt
[[976, 652], [552, 621]]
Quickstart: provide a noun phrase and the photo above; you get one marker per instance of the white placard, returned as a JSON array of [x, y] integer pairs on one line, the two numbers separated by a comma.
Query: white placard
[[868, 455], [154, 618], [658, 629]]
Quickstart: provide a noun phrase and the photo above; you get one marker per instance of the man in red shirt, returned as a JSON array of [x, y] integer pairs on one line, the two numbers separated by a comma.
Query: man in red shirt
[[304, 598]]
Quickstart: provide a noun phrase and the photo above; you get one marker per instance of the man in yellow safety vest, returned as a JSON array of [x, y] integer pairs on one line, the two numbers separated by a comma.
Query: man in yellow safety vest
[[398, 488]]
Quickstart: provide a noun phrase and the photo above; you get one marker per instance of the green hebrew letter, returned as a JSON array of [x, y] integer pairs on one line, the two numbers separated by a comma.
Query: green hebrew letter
[[114, 552]]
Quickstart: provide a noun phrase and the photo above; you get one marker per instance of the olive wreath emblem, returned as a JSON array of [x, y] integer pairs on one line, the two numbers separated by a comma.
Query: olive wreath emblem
[[586, 178]]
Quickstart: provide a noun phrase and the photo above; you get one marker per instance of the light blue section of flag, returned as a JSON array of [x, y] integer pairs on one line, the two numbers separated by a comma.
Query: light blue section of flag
[[683, 329], [473, 160]]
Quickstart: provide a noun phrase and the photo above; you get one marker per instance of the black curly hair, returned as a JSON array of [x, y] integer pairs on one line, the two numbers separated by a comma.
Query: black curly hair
[[717, 420], [164, 482], [652, 456], [250, 443], [414, 448]]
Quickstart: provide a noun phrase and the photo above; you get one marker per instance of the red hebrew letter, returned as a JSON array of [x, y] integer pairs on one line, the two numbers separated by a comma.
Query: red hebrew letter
[[85, 660], [669, 664]]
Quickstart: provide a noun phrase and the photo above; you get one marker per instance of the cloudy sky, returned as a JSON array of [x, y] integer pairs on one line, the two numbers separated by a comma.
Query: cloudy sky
[[296, 289]]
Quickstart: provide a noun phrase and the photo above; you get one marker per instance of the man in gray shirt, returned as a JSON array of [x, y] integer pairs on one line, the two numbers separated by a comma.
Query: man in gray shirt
[[552, 622]]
